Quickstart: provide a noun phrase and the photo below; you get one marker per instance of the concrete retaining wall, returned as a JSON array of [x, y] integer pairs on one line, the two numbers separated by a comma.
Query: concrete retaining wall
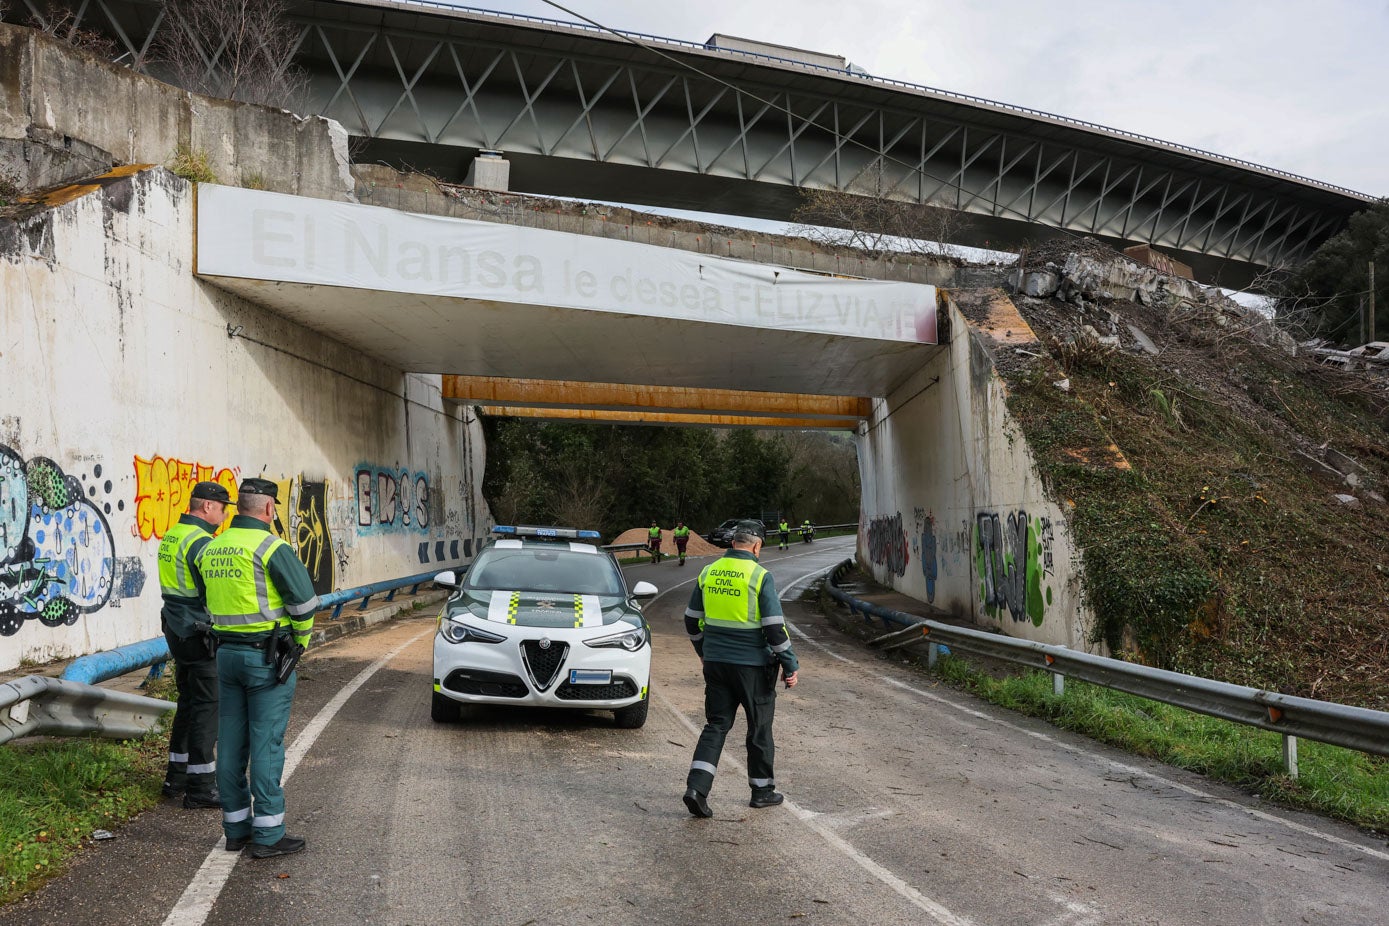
[[66, 114], [954, 512], [122, 387]]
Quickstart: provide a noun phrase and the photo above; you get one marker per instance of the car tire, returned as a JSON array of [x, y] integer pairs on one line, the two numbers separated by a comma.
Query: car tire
[[633, 717], [444, 710]]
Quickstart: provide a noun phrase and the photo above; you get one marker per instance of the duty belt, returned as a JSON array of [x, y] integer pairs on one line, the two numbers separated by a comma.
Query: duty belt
[[232, 641]]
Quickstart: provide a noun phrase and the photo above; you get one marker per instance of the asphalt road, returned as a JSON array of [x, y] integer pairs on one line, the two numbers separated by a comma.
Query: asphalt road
[[907, 803]]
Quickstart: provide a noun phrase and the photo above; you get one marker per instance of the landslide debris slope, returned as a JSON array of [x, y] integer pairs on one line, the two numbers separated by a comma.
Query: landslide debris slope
[[1247, 538]]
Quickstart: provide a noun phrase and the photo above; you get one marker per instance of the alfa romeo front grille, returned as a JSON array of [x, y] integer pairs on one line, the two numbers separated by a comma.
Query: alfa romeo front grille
[[619, 689], [543, 663], [479, 682]]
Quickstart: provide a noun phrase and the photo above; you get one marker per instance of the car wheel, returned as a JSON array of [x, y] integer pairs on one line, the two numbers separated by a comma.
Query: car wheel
[[443, 710], [633, 717]]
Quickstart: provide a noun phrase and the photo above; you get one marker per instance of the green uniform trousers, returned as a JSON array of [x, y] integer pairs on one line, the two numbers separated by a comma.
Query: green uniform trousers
[[726, 688], [252, 714]]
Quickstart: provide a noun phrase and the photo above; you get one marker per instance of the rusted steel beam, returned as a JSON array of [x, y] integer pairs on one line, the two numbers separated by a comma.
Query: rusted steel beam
[[491, 390], [667, 419]]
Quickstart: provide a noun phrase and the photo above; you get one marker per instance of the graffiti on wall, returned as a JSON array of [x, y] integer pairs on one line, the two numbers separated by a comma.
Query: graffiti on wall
[[887, 543], [926, 550], [1013, 555], [301, 518], [57, 555], [163, 486], [391, 499]]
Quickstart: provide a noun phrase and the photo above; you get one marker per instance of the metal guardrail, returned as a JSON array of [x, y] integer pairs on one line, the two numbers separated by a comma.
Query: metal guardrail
[[1356, 728], [98, 667], [893, 82], [40, 706]]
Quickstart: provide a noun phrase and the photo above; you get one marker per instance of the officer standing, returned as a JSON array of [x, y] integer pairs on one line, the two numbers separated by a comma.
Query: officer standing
[[784, 530], [192, 769], [735, 622], [258, 594]]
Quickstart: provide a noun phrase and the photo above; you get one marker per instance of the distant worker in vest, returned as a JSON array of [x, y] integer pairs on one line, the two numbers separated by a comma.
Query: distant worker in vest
[[735, 622], [681, 536], [807, 531], [262, 601], [783, 530], [653, 542], [192, 769]]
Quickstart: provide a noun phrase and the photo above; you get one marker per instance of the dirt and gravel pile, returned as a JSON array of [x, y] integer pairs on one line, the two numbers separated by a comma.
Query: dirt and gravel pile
[[697, 546]]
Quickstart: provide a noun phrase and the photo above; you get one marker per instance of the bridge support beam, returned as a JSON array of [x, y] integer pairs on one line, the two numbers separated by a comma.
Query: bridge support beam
[[668, 419], [647, 401]]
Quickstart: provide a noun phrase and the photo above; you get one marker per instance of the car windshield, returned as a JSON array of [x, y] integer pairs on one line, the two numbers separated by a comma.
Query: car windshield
[[545, 569]]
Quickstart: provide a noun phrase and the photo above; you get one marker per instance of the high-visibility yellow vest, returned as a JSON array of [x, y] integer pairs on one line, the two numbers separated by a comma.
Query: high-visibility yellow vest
[[783, 527], [730, 587], [680, 532], [240, 596], [174, 578], [654, 533]]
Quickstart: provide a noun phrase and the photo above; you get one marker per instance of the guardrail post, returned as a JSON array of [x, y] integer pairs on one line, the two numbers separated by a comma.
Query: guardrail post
[[391, 596], [365, 599], [1058, 681], [932, 654], [1290, 755]]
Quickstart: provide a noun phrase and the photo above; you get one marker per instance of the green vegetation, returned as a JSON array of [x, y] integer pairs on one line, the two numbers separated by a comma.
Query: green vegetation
[[192, 166], [612, 478], [57, 794], [1322, 296], [1337, 782], [1206, 547]]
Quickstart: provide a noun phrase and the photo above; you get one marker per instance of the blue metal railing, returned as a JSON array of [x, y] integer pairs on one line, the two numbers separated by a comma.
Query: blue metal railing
[[98, 667]]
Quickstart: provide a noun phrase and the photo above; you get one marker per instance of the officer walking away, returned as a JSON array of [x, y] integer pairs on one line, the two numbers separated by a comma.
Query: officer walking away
[[783, 529], [681, 535], [735, 622], [262, 601], [653, 542], [192, 769]]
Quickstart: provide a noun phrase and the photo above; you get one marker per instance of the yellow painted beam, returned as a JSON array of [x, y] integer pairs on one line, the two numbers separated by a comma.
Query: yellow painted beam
[[492, 390], [667, 419]]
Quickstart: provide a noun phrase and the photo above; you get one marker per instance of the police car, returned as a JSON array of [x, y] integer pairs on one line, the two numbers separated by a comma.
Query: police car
[[543, 618]]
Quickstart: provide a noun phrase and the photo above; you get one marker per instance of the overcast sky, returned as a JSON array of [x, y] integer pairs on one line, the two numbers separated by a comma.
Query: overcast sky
[[1298, 86]]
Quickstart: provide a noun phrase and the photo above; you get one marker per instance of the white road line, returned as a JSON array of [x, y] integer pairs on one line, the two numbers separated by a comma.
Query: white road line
[[206, 886], [917, 899], [1121, 766]]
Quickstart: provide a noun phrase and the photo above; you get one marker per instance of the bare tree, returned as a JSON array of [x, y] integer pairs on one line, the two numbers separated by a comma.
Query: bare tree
[[583, 499], [866, 216], [63, 25], [234, 49]]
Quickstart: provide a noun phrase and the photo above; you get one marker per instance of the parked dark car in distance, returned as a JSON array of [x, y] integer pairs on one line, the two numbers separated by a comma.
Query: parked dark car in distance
[[722, 536]]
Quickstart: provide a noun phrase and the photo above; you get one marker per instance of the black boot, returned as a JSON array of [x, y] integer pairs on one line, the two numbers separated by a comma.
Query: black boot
[[696, 803], [288, 845]]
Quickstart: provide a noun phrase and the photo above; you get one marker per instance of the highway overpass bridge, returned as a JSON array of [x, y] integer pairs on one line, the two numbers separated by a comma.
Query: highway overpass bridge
[[643, 119]]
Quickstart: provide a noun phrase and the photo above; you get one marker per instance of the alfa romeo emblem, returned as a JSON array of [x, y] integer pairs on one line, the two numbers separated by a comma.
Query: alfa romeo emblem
[[544, 642], [546, 603]]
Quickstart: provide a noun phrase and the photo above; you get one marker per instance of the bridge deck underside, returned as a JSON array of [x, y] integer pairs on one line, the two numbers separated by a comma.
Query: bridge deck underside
[[470, 337], [581, 114]]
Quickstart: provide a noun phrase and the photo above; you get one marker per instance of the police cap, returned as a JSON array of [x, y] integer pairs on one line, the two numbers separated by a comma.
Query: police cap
[[212, 492], [750, 529], [260, 487]]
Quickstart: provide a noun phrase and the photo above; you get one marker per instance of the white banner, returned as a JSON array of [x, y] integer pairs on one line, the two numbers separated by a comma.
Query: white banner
[[253, 234]]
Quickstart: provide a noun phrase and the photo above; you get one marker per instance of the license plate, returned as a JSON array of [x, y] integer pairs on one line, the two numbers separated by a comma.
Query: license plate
[[590, 676]]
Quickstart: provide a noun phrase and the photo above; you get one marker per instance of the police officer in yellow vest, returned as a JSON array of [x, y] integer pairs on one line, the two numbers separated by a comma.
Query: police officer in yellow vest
[[192, 769], [260, 597], [735, 622], [784, 535]]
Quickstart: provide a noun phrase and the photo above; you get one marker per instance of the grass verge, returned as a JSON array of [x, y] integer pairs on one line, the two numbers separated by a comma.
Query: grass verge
[[58, 792], [1340, 783]]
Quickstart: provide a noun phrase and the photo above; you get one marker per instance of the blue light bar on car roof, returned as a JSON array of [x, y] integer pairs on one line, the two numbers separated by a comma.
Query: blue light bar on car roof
[[557, 533]]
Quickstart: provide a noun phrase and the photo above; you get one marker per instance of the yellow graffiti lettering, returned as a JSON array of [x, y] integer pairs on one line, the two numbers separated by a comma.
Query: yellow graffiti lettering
[[163, 487]]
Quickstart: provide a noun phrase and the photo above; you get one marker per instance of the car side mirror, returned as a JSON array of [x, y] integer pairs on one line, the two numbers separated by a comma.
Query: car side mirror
[[446, 579], [644, 590]]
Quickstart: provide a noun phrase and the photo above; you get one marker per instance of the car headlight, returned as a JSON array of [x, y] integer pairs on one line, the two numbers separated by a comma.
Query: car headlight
[[457, 632], [630, 640]]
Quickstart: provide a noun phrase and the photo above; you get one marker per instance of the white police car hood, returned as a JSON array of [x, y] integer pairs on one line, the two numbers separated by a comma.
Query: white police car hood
[[542, 609]]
